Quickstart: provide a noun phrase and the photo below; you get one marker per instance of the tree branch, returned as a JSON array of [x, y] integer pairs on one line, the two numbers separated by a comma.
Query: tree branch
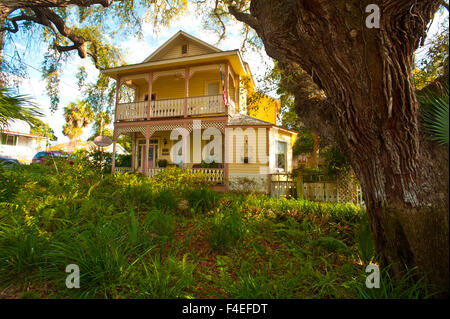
[[52, 3], [244, 17]]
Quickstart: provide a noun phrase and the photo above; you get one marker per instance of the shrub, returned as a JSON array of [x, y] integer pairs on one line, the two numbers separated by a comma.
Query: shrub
[[159, 224], [227, 230], [166, 278], [201, 200]]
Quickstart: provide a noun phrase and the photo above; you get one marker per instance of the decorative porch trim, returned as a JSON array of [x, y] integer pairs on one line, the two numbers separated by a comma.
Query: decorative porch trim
[[218, 125], [129, 129]]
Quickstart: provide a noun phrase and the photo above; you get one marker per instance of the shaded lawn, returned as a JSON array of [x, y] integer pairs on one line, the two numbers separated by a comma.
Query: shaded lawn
[[170, 237]]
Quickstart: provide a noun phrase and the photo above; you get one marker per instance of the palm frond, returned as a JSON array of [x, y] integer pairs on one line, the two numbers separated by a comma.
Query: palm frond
[[17, 107], [435, 115]]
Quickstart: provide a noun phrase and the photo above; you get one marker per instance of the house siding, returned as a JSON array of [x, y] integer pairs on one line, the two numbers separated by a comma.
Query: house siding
[[174, 50]]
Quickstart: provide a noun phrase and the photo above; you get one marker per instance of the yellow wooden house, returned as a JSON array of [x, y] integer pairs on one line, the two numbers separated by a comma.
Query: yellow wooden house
[[186, 105]]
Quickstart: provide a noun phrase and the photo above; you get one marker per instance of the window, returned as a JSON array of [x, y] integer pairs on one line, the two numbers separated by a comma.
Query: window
[[9, 139], [153, 97], [213, 88], [184, 49], [281, 155], [153, 141]]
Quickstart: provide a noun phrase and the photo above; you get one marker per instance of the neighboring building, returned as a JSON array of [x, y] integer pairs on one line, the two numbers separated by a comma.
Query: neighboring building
[[88, 146], [186, 82], [17, 142]]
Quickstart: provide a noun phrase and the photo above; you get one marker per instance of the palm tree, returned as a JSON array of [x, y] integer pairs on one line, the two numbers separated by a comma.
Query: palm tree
[[102, 119], [17, 107], [78, 115]]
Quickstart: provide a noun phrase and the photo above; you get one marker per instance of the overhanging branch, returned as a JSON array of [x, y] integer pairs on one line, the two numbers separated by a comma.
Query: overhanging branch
[[244, 17]]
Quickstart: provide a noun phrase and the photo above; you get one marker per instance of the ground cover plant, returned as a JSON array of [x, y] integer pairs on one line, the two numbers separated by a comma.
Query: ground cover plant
[[174, 237]]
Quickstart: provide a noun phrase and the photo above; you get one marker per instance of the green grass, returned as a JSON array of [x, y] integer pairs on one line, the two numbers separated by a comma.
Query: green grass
[[173, 237]]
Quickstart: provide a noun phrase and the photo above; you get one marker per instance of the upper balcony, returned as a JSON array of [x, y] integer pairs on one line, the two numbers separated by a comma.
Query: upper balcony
[[187, 92], [169, 108]]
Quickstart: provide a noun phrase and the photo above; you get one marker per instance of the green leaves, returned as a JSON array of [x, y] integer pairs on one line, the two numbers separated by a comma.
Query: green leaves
[[435, 115], [78, 115], [18, 107]]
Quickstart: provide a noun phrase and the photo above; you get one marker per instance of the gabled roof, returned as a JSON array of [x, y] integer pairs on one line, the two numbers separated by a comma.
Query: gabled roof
[[168, 56], [180, 36], [241, 119]]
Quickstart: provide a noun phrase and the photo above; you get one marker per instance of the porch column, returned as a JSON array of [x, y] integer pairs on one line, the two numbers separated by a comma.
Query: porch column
[[113, 163], [226, 156], [186, 90], [117, 98], [185, 148], [269, 186], [227, 82], [150, 88], [237, 94], [133, 151], [147, 147]]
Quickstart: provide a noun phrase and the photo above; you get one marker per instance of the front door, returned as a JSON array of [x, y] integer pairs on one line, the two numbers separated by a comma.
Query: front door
[[151, 156]]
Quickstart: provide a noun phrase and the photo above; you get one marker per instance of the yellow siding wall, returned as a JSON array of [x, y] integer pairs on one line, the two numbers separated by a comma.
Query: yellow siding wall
[[237, 143], [198, 82], [266, 110], [167, 87], [174, 50]]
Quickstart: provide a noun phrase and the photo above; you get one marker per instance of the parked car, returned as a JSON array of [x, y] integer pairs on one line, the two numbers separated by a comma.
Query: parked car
[[8, 162], [43, 157]]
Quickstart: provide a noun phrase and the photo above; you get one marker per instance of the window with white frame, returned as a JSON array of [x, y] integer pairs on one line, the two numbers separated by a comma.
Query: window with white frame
[[7, 139], [281, 156]]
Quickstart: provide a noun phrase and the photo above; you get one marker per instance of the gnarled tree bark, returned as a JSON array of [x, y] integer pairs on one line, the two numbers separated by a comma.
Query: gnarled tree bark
[[370, 111]]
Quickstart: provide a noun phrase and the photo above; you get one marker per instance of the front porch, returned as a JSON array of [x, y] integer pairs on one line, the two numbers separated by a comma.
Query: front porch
[[152, 147]]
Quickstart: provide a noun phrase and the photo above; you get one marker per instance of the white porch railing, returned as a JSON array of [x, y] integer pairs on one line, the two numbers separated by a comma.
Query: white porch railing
[[213, 175], [231, 107], [205, 104], [153, 171], [123, 169], [132, 111], [196, 105], [167, 108]]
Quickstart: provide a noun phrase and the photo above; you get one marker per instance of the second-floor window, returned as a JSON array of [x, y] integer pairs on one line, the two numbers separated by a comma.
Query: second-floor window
[[213, 88], [153, 97]]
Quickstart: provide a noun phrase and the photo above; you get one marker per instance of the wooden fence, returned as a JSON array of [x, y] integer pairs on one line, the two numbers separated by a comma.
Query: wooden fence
[[344, 189]]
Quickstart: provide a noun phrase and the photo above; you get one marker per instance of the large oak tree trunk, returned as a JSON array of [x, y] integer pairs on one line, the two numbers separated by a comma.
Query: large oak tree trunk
[[370, 111]]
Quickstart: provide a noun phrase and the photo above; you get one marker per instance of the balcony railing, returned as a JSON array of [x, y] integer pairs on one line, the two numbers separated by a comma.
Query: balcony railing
[[196, 105], [132, 111], [205, 104]]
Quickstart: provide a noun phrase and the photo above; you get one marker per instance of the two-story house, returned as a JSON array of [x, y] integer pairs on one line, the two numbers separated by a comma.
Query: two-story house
[[186, 104]]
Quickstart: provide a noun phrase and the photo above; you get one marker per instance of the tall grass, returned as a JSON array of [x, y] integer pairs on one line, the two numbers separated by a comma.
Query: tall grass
[[227, 229], [127, 235]]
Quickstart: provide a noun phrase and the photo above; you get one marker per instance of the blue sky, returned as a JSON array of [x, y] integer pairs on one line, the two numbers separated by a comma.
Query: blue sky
[[135, 51]]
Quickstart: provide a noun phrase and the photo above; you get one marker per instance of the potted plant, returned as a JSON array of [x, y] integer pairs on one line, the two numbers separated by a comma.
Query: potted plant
[[162, 163]]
